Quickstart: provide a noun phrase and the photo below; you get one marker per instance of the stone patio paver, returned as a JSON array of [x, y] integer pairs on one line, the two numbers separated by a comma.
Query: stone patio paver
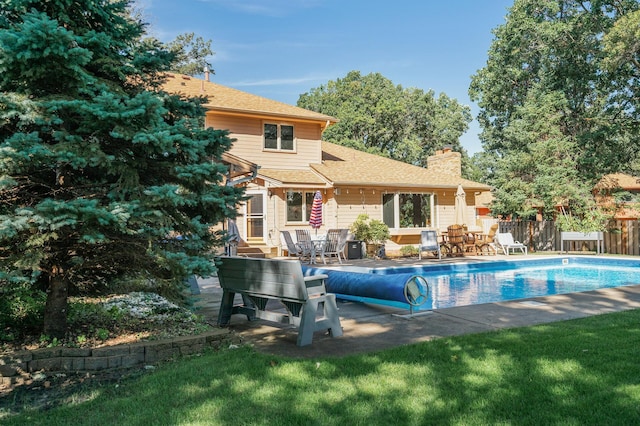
[[370, 327]]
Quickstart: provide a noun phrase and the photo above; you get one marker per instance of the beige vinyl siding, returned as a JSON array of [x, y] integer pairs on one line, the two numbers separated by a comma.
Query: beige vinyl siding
[[341, 210], [329, 217], [351, 203], [361, 179], [445, 205], [445, 208], [248, 133]]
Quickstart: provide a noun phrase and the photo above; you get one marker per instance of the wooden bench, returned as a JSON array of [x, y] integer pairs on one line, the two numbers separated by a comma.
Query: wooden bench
[[262, 280]]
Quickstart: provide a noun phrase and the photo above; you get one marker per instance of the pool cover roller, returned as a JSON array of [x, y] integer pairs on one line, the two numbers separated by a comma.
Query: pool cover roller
[[403, 289]]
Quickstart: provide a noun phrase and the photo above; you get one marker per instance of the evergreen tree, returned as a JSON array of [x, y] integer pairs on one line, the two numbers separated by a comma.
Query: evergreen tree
[[100, 169]]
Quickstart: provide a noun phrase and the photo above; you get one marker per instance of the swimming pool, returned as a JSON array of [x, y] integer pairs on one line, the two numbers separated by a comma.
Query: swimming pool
[[463, 284]]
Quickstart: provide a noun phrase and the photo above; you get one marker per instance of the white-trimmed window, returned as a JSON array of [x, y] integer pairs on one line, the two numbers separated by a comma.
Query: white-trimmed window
[[278, 137], [407, 210], [299, 206]]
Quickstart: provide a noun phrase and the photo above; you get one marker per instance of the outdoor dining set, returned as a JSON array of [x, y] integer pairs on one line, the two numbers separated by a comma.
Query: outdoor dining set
[[309, 246], [457, 240]]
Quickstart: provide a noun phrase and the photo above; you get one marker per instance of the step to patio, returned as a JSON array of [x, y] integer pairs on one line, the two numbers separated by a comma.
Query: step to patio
[[255, 252]]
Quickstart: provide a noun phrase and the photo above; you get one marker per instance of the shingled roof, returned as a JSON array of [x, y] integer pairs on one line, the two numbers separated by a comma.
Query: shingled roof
[[619, 180], [225, 99], [293, 177], [346, 166], [340, 165]]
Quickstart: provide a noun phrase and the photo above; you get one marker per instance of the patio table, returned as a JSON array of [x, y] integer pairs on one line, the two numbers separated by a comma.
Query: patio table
[[317, 247]]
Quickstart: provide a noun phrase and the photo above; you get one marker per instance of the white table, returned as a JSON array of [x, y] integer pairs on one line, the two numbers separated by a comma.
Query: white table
[[583, 236]]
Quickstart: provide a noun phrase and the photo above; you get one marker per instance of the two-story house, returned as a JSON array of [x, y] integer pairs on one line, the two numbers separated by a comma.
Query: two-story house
[[280, 157]]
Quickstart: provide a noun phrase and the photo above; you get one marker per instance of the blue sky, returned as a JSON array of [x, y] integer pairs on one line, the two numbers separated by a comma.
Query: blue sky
[[280, 49]]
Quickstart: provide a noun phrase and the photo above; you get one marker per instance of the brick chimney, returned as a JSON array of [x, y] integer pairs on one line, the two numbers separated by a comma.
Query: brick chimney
[[446, 161]]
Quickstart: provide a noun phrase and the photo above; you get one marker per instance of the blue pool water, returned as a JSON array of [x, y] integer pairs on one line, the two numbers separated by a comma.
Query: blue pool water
[[474, 283]]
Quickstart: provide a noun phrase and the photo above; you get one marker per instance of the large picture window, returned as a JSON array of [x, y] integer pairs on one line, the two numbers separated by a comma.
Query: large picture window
[[299, 206], [278, 136], [407, 210]]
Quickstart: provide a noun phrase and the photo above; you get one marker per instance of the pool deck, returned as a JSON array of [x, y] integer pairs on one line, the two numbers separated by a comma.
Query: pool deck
[[370, 327]]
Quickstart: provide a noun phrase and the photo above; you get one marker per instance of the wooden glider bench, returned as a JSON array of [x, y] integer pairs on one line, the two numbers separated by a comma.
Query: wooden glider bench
[[261, 280]]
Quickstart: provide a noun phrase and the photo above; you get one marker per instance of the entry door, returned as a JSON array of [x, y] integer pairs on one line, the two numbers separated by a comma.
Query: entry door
[[255, 215]]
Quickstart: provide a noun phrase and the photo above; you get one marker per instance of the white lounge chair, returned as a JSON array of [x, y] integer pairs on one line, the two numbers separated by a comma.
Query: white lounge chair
[[505, 243], [429, 242]]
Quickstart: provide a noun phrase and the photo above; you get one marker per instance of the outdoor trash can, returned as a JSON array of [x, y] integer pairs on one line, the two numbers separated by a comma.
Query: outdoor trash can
[[354, 249]]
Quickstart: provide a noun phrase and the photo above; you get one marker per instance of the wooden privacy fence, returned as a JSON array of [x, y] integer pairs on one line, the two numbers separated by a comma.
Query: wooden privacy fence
[[620, 236]]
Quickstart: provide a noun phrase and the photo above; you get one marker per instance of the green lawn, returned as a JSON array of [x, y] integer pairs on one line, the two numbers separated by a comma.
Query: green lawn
[[577, 372]]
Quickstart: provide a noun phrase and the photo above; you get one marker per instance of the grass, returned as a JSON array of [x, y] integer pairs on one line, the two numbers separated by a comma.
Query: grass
[[577, 372]]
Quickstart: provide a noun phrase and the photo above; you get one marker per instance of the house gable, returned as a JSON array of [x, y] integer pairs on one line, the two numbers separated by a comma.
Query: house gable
[[245, 115], [224, 99]]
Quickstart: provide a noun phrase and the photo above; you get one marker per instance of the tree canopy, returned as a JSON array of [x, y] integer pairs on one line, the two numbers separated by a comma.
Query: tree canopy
[[558, 102], [100, 170], [191, 54], [380, 117]]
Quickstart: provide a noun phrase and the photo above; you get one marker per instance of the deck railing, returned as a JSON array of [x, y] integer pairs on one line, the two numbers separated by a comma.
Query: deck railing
[[620, 236]]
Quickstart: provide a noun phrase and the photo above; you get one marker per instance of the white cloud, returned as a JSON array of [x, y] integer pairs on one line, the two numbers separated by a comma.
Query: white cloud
[[279, 81]]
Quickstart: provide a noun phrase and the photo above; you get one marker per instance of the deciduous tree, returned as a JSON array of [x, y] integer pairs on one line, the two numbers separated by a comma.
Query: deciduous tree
[[380, 117], [556, 101], [191, 54]]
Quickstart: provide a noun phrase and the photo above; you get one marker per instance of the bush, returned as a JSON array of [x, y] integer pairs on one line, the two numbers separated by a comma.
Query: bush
[[21, 311], [409, 251], [371, 231]]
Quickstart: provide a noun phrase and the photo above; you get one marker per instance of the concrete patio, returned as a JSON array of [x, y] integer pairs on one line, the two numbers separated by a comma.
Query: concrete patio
[[370, 327]]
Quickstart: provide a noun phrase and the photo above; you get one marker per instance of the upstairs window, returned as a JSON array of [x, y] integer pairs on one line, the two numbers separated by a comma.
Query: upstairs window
[[278, 137]]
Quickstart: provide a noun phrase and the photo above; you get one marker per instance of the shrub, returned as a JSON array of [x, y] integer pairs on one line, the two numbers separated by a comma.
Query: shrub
[[371, 231], [21, 311], [409, 251]]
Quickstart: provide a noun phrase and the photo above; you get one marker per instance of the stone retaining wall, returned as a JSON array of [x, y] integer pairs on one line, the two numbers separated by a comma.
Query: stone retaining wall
[[17, 368]]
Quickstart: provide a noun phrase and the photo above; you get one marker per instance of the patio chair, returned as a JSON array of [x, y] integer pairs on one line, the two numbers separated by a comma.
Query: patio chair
[[293, 249], [305, 243], [485, 243], [505, 243], [429, 242], [335, 243], [455, 244]]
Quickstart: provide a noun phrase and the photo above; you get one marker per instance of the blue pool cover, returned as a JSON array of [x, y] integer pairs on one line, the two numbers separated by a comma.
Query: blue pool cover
[[404, 290], [425, 287]]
